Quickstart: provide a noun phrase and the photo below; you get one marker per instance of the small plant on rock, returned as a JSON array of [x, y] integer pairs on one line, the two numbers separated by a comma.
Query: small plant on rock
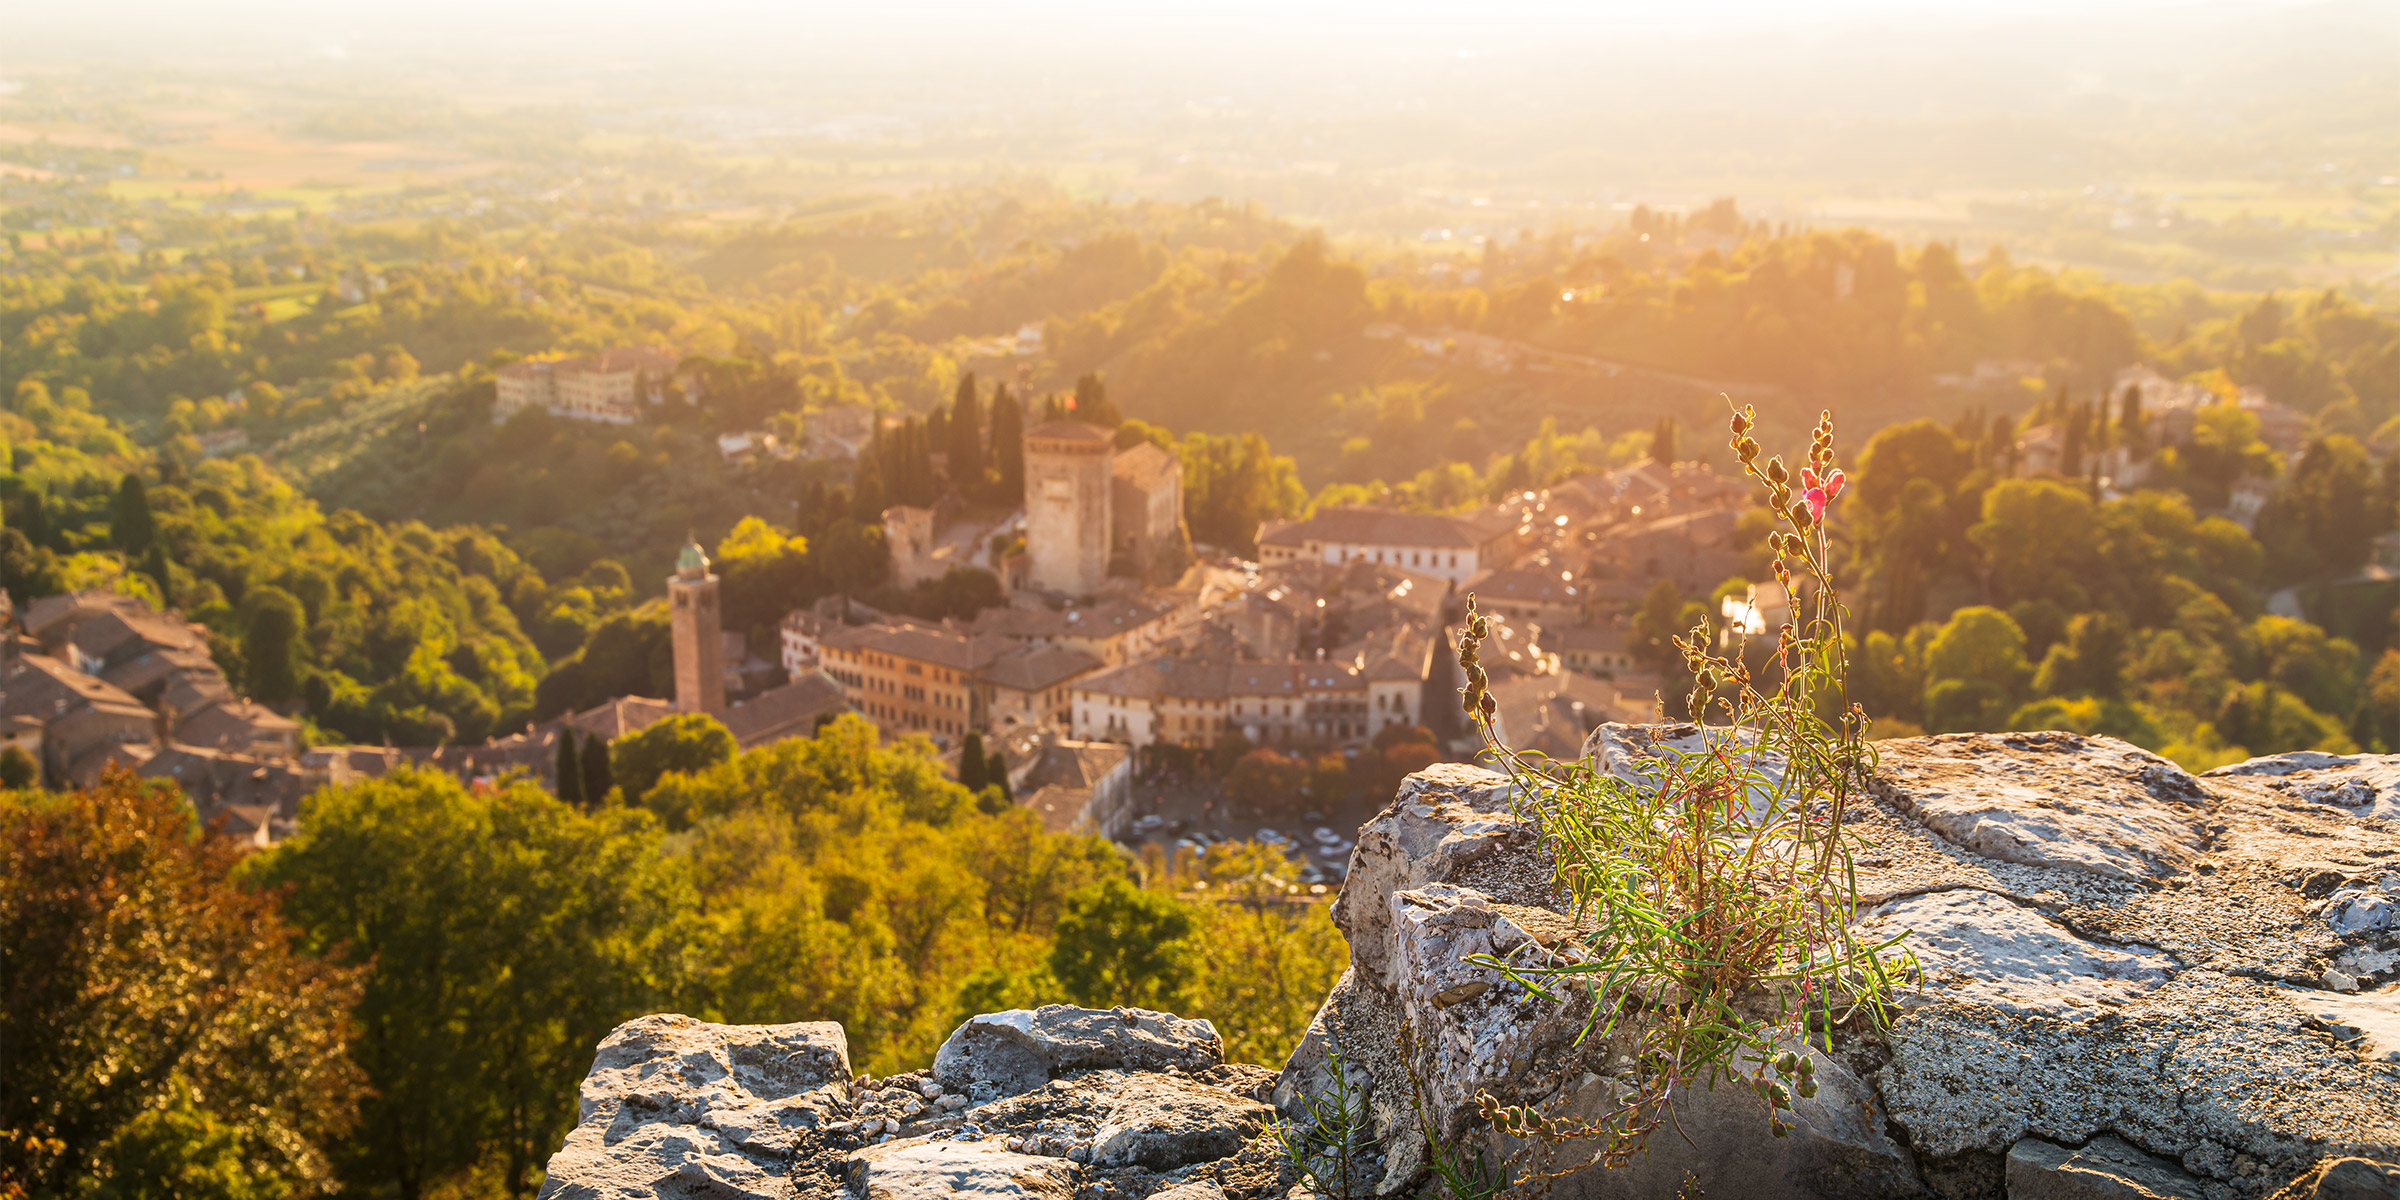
[[1716, 873]]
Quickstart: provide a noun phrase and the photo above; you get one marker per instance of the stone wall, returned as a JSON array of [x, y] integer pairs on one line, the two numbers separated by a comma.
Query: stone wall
[[2136, 983]]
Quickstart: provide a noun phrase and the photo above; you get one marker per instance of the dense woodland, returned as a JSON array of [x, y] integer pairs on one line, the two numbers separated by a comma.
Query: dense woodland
[[383, 561], [401, 999]]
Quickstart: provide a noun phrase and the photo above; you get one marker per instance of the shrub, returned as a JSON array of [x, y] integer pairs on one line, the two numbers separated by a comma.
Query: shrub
[[1719, 879]]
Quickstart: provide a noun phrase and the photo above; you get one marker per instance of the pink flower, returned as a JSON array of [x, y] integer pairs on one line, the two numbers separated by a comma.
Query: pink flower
[[1808, 478], [1833, 485], [1816, 504]]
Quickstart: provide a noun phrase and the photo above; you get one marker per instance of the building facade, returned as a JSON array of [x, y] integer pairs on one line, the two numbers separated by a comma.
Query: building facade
[[1436, 544], [609, 387], [1068, 482], [1146, 510]]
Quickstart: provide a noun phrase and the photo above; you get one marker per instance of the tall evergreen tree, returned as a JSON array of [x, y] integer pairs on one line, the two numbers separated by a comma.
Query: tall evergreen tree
[[995, 774], [1008, 446], [937, 429], [130, 525], [1662, 441], [155, 565], [967, 458], [596, 778], [1092, 405], [971, 762], [570, 767]]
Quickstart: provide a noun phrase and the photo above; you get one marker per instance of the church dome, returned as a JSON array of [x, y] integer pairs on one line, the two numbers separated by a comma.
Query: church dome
[[693, 563]]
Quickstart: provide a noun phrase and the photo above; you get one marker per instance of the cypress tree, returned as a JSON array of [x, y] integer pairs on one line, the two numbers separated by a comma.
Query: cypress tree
[[570, 767], [597, 778], [1092, 406], [129, 522], [971, 763], [937, 429], [1008, 446], [967, 457], [155, 565], [995, 774], [1662, 442]]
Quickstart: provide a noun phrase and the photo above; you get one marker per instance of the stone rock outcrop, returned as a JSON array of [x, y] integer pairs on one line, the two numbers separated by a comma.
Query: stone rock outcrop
[[674, 1105], [1055, 1103], [2135, 982], [1015, 1051]]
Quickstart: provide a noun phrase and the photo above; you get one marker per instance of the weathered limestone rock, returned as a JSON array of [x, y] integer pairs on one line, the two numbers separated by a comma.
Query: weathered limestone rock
[[1022, 1049], [2346, 1179], [917, 1169], [1163, 1122], [2366, 786], [2115, 954], [2106, 1168], [2135, 983], [2104, 807], [1981, 948], [674, 1104]]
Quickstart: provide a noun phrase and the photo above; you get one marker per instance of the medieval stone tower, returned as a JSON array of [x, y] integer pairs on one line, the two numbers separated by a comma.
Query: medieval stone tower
[[699, 637], [1067, 472]]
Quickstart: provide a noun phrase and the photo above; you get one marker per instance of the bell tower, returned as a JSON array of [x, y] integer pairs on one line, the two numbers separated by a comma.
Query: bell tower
[[699, 637]]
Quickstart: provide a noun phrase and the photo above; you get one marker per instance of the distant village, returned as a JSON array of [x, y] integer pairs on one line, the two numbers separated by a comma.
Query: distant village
[[1120, 644]]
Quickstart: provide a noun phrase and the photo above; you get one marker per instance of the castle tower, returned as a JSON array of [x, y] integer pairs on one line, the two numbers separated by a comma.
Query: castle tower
[[1067, 472], [699, 637]]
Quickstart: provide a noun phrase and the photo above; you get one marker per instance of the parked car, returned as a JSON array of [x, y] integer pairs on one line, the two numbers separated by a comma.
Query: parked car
[[1326, 837], [1273, 838], [1149, 822]]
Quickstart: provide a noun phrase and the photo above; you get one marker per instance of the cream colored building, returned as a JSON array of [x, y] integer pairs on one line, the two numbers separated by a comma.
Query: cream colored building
[[605, 387]]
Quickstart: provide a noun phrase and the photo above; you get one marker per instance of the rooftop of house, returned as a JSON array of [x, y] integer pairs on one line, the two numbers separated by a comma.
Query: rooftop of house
[[1147, 466], [938, 647], [1527, 585], [1388, 527], [1067, 431], [1073, 764], [784, 712], [1035, 668], [613, 719], [235, 725], [40, 686], [1058, 807], [1098, 619]]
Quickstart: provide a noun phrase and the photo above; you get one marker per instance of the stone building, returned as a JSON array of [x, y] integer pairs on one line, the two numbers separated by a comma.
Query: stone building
[[607, 387], [1069, 487], [699, 648], [908, 533], [1455, 548], [1146, 511]]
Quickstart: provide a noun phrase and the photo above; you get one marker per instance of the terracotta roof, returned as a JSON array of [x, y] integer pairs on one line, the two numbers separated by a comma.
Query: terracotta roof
[[234, 725], [124, 632], [1068, 431], [1383, 527], [623, 715], [942, 648], [1525, 584], [1145, 466], [1060, 808], [1081, 765], [40, 686], [1035, 668], [786, 712], [1606, 638], [153, 669]]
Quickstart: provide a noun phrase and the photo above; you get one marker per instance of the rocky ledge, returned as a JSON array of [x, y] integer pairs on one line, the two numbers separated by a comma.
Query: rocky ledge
[[1055, 1103], [2137, 983]]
